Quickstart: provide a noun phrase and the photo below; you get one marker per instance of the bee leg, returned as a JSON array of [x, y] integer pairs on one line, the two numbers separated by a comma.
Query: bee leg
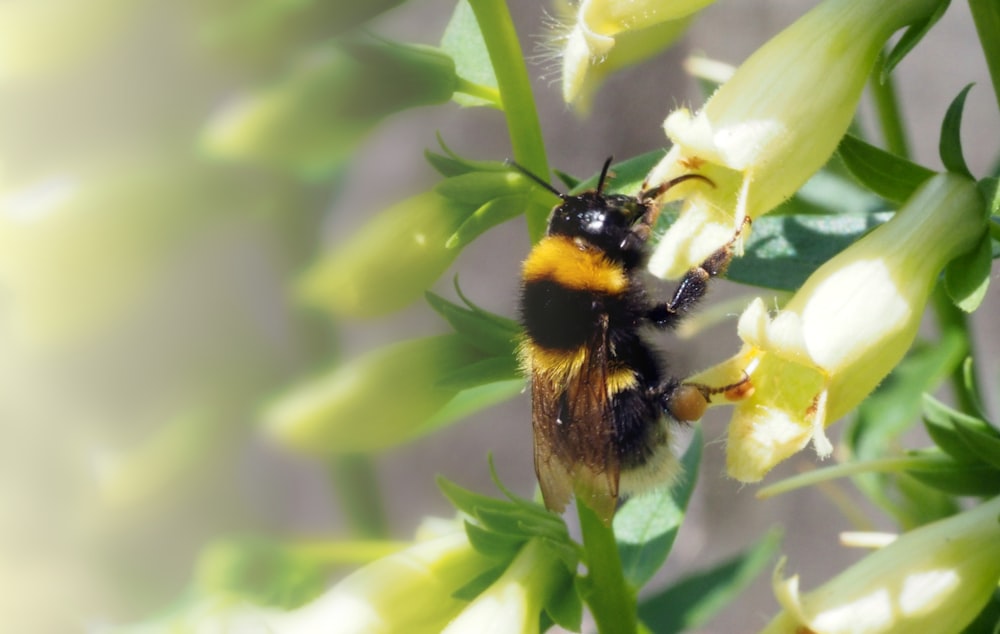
[[693, 285]]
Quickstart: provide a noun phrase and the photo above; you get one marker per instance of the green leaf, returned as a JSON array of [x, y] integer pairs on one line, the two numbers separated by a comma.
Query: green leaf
[[489, 215], [625, 177], [487, 331], [499, 546], [477, 188], [986, 445], [967, 277], [890, 411], [463, 40], [942, 422], [481, 372], [565, 607], [784, 251], [693, 601], [470, 401], [960, 478], [912, 37], [829, 192], [451, 164], [479, 583], [990, 189], [950, 146], [646, 525], [891, 177]]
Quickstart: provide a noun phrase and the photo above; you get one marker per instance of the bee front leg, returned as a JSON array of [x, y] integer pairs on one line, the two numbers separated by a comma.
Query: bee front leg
[[693, 286]]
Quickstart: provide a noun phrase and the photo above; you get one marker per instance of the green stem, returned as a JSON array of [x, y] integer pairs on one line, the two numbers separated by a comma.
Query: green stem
[[986, 14], [612, 602], [525, 130], [491, 95], [888, 111], [882, 465], [355, 480]]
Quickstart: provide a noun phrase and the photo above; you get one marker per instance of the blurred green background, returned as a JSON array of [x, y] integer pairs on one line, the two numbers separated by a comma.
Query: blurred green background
[[170, 170]]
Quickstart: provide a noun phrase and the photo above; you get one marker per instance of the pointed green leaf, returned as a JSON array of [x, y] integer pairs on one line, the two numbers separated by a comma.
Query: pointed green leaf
[[941, 422], [489, 215], [960, 478], [499, 546], [891, 177], [470, 401], [479, 583], [950, 146], [565, 607], [481, 372], [493, 334], [985, 444], [912, 36], [646, 525], [693, 601], [967, 277]]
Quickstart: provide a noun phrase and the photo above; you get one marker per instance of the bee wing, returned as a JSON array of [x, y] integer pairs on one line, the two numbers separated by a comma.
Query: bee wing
[[573, 428]]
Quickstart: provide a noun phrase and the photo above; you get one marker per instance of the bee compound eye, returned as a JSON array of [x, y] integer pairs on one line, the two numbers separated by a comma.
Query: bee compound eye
[[687, 403]]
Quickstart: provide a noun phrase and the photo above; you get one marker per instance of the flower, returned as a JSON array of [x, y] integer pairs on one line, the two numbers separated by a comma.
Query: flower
[[648, 25], [844, 330], [347, 409], [772, 125], [409, 591], [513, 603], [935, 578]]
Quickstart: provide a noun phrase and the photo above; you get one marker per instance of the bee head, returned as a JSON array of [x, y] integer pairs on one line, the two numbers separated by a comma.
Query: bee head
[[605, 221]]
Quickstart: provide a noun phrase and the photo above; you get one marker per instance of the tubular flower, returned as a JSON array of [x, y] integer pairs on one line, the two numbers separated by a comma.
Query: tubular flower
[[409, 591], [936, 578], [844, 330], [598, 24], [773, 124], [512, 604]]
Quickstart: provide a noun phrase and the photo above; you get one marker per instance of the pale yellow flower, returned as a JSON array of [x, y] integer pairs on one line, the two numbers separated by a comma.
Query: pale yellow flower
[[844, 330], [935, 578], [773, 124]]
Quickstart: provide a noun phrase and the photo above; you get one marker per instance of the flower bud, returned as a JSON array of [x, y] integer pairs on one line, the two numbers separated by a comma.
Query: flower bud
[[315, 117], [372, 402], [598, 27], [772, 125]]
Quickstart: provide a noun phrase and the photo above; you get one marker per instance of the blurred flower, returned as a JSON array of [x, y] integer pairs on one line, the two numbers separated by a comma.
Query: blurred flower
[[375, 401], [42, 36], [315, 117], [514, 602], [935, 578], [79, 245], [844, 330], [410, 591], [772, 125], [598, 28]]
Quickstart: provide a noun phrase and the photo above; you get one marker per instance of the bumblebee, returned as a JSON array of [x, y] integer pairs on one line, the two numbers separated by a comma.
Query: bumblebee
[[602, 408]]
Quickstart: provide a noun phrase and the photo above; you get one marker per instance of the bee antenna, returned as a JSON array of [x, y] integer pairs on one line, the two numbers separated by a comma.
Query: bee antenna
[[604, 174], [535, 178]]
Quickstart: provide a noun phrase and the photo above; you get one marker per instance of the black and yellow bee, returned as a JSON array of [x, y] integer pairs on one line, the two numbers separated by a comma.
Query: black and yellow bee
[[602, 407]]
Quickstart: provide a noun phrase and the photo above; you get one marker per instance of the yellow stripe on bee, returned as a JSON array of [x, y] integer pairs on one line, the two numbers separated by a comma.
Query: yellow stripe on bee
[[574, 265], [560, 366], [620, 379]]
